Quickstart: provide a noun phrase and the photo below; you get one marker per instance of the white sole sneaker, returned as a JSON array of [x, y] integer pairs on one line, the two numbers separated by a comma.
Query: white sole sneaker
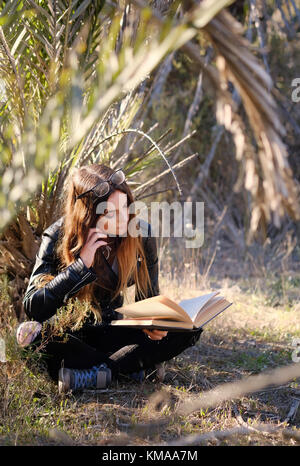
[[66, 379]]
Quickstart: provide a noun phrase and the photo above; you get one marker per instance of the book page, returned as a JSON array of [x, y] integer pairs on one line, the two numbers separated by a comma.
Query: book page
[[192, 306], [211, 311], [155, 307], [210, 304]]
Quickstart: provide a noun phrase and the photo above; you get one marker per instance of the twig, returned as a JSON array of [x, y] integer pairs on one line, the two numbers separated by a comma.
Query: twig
[[193, 108], [297, 11], [266, 390], [129, 130], [260, 33], [280, 99], [242, 423], [188, 136], [247, 385], [289, 28], [211, 436], [156, 179], [157, 192], [236, 234], [293, 409], [229, 391], [204, 169], [224, 434], [149, 151], [158, 82]]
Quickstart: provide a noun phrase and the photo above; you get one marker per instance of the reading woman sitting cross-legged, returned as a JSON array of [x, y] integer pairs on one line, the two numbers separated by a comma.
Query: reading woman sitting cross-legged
[[89, 255]]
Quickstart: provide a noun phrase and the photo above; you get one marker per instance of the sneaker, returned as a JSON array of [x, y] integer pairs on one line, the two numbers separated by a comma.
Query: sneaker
[[78, 379]]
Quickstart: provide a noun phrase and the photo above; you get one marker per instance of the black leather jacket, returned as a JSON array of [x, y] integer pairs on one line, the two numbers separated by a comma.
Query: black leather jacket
[[41, 304]]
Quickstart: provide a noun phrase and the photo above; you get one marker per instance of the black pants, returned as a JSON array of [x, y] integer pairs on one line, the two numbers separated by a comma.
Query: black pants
[[124, 350]]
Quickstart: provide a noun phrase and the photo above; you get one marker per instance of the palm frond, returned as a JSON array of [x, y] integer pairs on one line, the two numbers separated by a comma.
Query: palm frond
[[268, 174], [79, 76]]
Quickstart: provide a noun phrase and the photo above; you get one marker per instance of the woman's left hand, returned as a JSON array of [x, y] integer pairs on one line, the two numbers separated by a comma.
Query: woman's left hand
[[155, 334]]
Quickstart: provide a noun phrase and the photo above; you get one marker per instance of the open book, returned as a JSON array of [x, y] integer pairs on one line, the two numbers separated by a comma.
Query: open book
[[161, 312]]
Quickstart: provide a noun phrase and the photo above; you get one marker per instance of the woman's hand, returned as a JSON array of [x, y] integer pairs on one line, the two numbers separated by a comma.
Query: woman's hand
[[93, 242], [155, 334]]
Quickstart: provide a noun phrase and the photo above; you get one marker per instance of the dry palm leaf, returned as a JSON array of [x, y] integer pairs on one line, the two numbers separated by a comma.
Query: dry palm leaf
[[29, 243], [268, 174], [11, 259], [16, 291], [18, 247]]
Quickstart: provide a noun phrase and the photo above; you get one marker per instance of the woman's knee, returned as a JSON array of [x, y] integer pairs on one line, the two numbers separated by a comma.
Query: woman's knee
[[188, 338]]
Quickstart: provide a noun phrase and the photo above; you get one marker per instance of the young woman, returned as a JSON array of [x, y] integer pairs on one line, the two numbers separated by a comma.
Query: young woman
[[90, 254]]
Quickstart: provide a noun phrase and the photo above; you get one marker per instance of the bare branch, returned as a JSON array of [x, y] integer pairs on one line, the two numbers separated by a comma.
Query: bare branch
[[229, 391], [157, 178]]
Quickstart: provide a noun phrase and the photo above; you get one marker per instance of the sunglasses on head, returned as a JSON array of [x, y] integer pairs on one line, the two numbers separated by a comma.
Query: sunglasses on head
[[103, 187]]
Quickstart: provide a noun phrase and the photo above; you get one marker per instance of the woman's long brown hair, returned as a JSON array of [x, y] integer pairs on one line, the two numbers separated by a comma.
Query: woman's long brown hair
[[79, 217]]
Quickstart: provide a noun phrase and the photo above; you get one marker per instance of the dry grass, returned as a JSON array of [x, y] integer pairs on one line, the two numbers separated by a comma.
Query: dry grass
[[251, 336]]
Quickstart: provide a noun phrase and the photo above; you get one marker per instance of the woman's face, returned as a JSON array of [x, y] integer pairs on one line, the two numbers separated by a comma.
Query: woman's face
[[115, 216]]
